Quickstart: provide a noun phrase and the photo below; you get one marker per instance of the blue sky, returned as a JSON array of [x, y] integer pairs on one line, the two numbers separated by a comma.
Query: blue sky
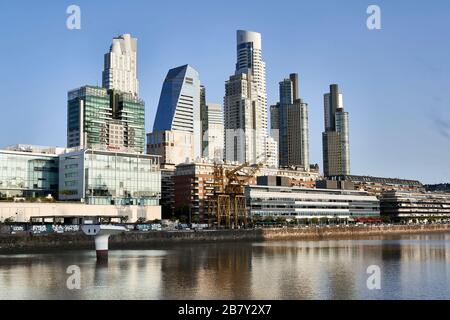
[[395, 81]]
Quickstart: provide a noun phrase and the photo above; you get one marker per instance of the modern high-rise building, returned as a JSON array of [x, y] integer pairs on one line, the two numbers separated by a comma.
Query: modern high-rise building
[[289, 125], [204, 120], [245, 103], [113, 117], [120, 69], [214, 132], [104, 119], [178, 117], [336, 142]]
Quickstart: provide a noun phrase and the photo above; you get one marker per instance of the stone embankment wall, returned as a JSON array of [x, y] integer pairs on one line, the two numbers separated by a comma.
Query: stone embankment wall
[[142, 240]]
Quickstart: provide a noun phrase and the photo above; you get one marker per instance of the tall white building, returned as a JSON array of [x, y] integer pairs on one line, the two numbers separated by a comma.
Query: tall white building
[[271, 146], [249, 60], [120, 71], [245, 103], [215, 132]]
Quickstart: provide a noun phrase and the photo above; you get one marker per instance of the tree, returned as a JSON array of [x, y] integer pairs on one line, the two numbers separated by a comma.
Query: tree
[[9, 221], [196, 218], [141, 220], [182, 211], [166, 211]]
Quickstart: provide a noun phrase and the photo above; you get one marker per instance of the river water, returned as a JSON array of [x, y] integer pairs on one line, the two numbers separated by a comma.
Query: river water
[[411, 267]]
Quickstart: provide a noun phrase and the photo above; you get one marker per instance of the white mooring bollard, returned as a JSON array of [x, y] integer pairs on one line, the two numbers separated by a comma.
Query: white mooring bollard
[[101, 234]]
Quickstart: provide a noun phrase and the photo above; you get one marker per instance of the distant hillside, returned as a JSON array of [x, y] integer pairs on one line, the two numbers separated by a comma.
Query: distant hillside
[[438, 187]]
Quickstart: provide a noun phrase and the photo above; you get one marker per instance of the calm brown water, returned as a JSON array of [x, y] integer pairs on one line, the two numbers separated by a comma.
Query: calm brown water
[[412, 267]]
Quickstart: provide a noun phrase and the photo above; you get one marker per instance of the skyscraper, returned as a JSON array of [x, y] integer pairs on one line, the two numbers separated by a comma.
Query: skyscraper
[[104, 119], [289, 125], [336, 142], [245, 103], [179, 115], [120, 69], [204, 120], [112, 117], [214, 132]]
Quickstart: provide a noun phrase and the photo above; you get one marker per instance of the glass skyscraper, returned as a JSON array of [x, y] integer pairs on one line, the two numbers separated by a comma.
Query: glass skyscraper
[[179, 105], [105, 119], [113, 117]]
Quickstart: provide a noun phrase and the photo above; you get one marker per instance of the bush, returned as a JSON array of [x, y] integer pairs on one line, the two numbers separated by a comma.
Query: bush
[[8, 221], [141, 220]]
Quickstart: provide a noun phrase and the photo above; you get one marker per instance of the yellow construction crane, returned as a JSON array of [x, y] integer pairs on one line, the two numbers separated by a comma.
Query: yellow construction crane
[[227, 206]]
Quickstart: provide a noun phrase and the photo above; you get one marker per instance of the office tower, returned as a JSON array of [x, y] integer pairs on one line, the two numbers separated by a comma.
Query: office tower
[[289, 125], [245, 103], [215, 132], [88, 115], [204, 120], [271, 152], [336, 143], [129, 112], [120, 68], [103, 119], [177, 128]]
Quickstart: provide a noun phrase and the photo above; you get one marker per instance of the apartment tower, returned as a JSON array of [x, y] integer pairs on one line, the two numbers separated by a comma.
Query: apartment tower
[[336, 142], [289, 125]]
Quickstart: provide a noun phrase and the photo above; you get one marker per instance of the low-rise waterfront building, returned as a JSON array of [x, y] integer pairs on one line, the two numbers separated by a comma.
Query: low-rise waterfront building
[[303, 203], [409, 206], [86, 182], [378, 185], [110, 178], [194, 182], [29, 171], [298, 176], [75, 213]]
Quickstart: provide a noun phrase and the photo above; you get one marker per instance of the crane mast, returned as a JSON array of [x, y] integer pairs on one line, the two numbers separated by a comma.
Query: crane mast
[[227, 206]]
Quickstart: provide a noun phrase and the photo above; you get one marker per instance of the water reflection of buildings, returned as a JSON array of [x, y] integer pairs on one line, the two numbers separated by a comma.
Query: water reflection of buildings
[[415, 266], [212, 271], [311, 270]]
